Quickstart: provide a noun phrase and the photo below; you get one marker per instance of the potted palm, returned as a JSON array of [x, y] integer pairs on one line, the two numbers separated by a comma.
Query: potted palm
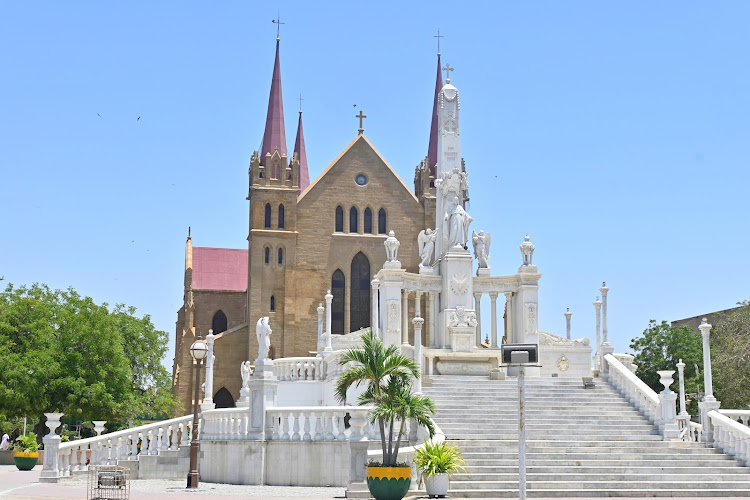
[[387, 376], [436, 462], [26, 452]]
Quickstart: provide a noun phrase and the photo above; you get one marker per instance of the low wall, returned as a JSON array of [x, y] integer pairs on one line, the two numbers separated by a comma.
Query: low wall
[[288, 463], [6, 457]]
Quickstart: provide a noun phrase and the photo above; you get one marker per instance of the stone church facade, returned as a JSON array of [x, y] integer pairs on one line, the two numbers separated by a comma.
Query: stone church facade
[[304, 239]]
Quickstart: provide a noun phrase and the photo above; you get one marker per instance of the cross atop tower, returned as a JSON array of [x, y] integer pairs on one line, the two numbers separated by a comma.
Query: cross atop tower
[[438, 36], [278, 24], [447, 70], [300, 102], [361, 116]]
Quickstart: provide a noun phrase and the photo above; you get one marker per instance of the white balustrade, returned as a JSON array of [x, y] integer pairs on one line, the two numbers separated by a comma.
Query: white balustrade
[[294, 369], [730, 436], [311, 423], [739, 416], [107, 449], [633, 388]]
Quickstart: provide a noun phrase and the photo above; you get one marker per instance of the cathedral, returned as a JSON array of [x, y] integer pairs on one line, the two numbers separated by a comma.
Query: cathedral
[[304, 239]]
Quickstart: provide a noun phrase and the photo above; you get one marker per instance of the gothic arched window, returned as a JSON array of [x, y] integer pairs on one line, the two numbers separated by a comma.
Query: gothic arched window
[[223, 398], [359, 301], [381, 221], [267, 218], [281, 216], [368, 221], [338, 289], [353, 220], [267, 256], [219, 322], [281, 256], [273, 303], [339, 219]]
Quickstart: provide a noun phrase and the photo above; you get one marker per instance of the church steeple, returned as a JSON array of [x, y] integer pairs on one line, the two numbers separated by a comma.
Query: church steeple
[[432, 149], [274, 137], [299, 150]]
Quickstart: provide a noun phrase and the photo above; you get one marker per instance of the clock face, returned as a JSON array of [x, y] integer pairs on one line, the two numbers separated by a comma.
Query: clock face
[[361, 179]]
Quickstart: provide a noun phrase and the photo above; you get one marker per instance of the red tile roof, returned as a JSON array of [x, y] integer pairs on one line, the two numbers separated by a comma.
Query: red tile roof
[[219, 269]]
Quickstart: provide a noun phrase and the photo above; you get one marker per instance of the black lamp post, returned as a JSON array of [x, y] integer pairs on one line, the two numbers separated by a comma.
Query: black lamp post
[[198, 351]]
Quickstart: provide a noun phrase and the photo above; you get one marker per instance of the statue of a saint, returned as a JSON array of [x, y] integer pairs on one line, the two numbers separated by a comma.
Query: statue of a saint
[[426, 245], [481, 242], [263, 334], [246, 371], [527, 251], [458, 224]]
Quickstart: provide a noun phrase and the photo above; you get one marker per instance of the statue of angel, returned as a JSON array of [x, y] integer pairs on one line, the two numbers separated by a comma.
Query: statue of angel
[[263, 334], [481, 242], [246, 371], [426, 245]]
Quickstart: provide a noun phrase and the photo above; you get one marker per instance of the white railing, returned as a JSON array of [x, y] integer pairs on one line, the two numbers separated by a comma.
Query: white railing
[[292, 369], [107, 449], [690, 431], [739, 416], [633, 388], [730, 436], [293, 423]]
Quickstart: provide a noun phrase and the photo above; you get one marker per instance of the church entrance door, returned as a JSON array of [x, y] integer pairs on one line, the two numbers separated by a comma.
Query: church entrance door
[[359, 303]]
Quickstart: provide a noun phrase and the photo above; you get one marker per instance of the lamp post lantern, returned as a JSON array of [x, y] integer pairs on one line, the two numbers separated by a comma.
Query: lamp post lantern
[[198, 351]]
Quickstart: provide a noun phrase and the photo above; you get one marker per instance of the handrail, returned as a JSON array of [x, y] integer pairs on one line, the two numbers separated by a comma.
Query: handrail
[[633, 388], [738, 415], [730, 436], [125, 432]]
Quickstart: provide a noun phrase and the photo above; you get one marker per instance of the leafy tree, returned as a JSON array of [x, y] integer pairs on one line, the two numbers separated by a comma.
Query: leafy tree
[[660, 348], [730, 358], [63, 352]]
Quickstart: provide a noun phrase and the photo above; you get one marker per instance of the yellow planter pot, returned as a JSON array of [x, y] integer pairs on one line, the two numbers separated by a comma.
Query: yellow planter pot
[[25, 461]]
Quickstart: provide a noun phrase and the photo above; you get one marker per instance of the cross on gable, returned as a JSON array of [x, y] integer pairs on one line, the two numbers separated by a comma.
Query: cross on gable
[[447, 70], [438, 36], [278, 24], [361, 117]]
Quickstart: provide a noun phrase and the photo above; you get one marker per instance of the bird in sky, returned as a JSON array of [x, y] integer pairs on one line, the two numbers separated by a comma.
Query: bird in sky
[[98, 115], [354, 105], [138, 119]]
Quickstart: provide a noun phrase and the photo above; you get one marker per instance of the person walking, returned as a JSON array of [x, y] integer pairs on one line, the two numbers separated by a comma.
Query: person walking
[[5, 445]]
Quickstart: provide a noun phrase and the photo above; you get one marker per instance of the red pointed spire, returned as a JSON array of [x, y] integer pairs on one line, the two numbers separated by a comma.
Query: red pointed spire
[[274, 137], [432, 152], [299, 148]]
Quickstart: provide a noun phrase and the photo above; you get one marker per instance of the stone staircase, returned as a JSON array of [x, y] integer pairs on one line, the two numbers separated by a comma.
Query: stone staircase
[[579, 443]]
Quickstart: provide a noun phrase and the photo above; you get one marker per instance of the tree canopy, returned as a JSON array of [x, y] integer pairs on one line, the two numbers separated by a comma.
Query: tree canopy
[[730, 358], [660, 348], [60, 351]]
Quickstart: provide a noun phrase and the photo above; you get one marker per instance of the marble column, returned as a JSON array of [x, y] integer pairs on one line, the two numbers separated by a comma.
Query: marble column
[[509, 317], [568, 314], [433, 319], [478, 307], [321, 341], [681, 372], [493, 298], [605, 337], [705, 329], [375, 323], [598, 307], [329, 299], [404, 317], [418, 322], [208, 402], [417, 304]]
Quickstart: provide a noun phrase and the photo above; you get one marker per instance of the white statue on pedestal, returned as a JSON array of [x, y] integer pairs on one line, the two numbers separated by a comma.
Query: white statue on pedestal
[[454, 181], [391, 247], [481, 242], [246, 371], [527, 250], [457, 221], [426, 245], [263, 333]]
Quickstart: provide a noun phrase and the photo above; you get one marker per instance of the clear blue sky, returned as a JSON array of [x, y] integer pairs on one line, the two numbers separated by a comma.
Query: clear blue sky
[[615, 134]]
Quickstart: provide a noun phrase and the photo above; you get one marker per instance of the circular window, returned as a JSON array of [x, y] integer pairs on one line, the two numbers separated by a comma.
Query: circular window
[[361, 179]]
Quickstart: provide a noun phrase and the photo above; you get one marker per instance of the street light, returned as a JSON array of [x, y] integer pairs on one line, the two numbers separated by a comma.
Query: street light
[[198, 351]]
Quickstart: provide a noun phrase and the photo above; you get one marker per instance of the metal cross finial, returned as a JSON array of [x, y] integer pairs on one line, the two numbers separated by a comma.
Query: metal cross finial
[[447, 70], [361, 116], [278, 24], [300, 102], [438, 36]]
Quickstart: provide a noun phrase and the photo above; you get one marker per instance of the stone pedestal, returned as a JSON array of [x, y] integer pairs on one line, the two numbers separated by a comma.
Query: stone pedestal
[[704, 407], [391, 283], [244, 401], [483, 271], [455, 268], [603, 351], [263, 388], [50, 464], [526, 307], [462, 338]]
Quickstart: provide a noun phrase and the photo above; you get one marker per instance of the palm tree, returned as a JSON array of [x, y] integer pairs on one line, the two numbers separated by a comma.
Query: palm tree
[[389, 376]]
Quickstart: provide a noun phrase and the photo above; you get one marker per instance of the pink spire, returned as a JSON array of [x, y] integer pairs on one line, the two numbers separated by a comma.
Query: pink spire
[[432, 148], [299, 148], [274, 137]]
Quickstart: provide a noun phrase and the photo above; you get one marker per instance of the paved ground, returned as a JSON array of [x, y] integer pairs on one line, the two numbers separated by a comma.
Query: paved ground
[[20, 485]]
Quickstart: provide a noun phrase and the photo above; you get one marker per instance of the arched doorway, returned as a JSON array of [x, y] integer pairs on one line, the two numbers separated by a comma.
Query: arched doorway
[[219, 322], [338, 289], [223, 399], [359, 303]]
